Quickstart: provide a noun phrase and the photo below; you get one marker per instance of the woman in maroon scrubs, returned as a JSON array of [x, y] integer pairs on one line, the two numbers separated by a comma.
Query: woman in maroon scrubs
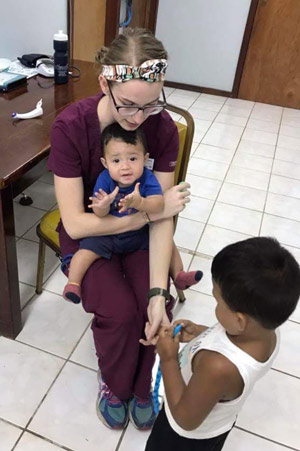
[[116, 291]]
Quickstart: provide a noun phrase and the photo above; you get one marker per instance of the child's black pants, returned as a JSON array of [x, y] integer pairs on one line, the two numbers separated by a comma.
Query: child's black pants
[[164, 438]]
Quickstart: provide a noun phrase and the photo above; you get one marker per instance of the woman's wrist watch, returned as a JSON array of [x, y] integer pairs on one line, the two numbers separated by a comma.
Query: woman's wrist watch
[[159, 292]]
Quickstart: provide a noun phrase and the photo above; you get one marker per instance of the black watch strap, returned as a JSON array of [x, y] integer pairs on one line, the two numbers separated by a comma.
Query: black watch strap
[[159, 292]]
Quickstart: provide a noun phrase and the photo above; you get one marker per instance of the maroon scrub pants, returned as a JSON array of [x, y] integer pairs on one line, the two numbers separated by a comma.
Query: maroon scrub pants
[[115, 292]]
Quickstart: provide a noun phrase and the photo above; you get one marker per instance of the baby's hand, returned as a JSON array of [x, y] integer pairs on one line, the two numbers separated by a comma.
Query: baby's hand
[[132, 200], [167, 346], [188, 331], [102, 200]]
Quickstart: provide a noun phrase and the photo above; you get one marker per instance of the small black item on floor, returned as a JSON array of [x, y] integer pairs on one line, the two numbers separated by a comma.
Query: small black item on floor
[[26, 200]]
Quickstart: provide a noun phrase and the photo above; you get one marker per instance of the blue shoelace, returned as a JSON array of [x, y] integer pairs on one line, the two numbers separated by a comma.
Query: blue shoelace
[[158, 376]]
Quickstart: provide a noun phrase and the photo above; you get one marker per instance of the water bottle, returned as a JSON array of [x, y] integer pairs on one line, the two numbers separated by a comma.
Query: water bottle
[[60, 43]]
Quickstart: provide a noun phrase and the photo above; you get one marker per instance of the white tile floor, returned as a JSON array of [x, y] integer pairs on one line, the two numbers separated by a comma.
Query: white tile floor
[[245, 177]]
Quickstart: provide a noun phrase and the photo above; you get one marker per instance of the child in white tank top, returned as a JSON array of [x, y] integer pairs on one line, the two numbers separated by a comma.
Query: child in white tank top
[[256, 284]]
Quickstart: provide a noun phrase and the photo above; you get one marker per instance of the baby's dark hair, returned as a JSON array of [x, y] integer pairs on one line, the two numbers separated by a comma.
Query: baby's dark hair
[[260, 278], [115, 131]]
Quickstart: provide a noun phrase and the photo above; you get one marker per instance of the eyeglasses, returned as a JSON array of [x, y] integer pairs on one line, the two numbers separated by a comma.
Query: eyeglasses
[[130, 110]]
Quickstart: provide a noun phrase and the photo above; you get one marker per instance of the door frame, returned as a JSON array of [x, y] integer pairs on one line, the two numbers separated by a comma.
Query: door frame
[[244, 47], [112, 19]]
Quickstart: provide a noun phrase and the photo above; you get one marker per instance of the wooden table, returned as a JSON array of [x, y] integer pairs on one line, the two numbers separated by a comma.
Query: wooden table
[[23, 146]]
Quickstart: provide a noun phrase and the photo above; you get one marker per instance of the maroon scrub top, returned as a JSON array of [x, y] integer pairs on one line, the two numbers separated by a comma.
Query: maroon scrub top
[[76, 148]]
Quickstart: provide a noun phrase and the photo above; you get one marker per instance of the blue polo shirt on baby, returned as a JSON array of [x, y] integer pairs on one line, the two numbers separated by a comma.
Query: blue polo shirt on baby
[[125, 242], [149, 186]]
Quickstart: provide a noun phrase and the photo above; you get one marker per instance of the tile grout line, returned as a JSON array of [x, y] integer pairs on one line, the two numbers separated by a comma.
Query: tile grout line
[[271, 173], [294, 321], [267, 439], [285, 373], [45, 439], [36, 208], [52, 442], [122, 437]]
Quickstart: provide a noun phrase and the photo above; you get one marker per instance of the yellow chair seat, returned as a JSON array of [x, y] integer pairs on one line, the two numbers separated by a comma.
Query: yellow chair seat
[[47, 226]]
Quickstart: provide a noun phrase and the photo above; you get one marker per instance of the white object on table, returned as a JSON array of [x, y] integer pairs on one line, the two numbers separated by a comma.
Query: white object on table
[[38, 111], [16, 67], [4, 63]]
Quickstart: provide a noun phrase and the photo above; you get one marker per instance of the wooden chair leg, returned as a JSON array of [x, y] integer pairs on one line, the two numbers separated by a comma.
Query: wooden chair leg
[[40, 267], [181, 295]]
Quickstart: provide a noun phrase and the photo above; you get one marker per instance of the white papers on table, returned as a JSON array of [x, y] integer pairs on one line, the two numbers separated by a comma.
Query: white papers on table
[[16, 67]]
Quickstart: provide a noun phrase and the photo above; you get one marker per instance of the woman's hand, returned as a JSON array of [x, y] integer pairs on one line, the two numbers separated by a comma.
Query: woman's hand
[[157, 316], [175, 199], [189, 330], [167, 346]]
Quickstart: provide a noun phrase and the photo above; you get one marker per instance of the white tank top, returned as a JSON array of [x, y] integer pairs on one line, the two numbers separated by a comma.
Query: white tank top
[[223, 415]]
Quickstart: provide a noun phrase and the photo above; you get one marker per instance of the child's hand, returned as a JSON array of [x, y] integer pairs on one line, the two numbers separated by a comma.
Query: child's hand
[[188, 331], [167, 347], [132, 200], [102, 200]]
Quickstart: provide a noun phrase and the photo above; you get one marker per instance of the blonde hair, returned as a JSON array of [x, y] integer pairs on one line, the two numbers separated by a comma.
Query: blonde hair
[[133, 47]]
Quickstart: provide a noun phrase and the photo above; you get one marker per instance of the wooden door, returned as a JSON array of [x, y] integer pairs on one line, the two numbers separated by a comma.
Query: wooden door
[[144, 13], [271, 72], [87, 28]]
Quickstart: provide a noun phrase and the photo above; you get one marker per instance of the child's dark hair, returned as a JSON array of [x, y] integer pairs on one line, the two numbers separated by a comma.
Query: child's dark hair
[[260, 278], [115, 131]]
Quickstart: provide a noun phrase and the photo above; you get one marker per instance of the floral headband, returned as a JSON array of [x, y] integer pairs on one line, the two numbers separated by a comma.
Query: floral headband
[[151, 70]]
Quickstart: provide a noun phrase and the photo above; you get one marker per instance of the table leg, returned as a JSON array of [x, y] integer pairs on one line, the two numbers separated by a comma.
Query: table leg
[[10, 309]]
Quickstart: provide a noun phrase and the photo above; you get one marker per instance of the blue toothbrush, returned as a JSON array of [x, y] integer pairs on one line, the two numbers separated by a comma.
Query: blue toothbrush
[[158, 376]]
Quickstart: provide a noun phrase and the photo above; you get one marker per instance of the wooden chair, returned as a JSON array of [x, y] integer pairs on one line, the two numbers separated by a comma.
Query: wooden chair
[[46, 229]]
